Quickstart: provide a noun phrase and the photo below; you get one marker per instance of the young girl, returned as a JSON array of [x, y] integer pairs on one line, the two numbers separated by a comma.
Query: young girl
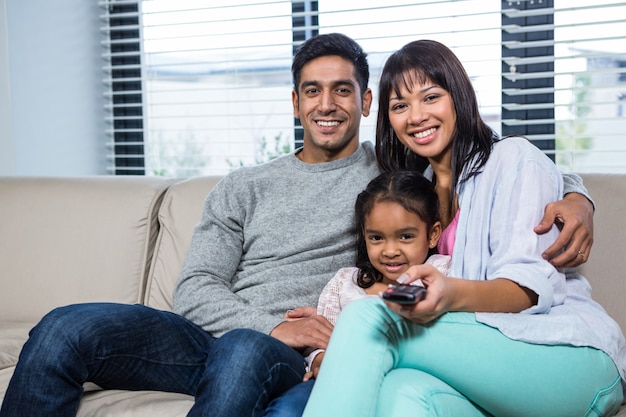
[[397, 224], [505, 333]]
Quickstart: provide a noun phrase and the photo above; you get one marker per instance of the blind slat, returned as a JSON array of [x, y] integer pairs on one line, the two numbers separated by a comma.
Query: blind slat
[[516, 13]]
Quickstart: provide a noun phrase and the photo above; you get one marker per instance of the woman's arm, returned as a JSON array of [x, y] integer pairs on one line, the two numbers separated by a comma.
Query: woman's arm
[[498, 295], [445, 294], [496, 252]]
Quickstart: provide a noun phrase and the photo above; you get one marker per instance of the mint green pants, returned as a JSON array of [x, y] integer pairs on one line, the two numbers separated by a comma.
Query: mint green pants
[[379, 364]]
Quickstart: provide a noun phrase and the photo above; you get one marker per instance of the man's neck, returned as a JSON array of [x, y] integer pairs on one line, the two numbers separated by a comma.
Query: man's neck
[[318, 156]]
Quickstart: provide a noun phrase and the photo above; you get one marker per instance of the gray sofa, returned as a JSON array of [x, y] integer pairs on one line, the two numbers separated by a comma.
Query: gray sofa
[[123, 239]]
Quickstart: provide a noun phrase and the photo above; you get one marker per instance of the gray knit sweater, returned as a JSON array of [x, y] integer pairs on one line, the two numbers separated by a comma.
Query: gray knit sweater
[[270, 238]]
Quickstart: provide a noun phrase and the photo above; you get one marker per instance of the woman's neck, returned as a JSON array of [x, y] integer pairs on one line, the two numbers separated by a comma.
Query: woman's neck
[[443, 187]]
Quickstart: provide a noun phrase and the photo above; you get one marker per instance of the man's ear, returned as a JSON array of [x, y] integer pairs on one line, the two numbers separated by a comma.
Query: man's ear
[[367, 102], [434, 234], [295, 101]]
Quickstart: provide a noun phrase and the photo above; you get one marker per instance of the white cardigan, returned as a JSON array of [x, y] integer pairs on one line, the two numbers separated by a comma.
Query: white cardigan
[[495, 239]]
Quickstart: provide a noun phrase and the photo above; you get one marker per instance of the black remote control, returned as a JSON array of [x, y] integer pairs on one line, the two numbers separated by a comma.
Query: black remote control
[[404, 294]]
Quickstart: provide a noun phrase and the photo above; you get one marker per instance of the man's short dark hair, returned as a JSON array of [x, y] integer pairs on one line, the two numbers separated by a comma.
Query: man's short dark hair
[[335, 44]]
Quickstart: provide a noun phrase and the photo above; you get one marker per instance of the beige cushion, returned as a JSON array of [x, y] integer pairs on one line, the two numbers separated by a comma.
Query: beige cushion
[[180, 211], [5, 377], [12, 338], [71, 240], [134, 403]]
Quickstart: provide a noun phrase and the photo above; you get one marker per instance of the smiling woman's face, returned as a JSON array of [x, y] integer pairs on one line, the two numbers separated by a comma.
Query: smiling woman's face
[[423, 118]]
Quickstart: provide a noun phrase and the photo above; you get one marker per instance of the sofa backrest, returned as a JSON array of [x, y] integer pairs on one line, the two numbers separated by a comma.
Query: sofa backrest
[[606, 268], [179, 213], [95, 239], [72, 240]]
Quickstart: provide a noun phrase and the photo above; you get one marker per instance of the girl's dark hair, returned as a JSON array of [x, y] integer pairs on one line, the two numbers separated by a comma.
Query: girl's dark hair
[[430, 61], [412, 191]]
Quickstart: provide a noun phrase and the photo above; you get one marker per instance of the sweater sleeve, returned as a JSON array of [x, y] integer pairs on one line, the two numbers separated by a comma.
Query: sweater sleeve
[[204, 292], [572, 183]]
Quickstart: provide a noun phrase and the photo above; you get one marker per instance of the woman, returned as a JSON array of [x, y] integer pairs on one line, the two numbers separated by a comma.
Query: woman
[[506, 334]]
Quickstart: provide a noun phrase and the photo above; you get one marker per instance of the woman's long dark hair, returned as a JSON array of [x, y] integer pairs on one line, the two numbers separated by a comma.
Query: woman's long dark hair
[[430, 61], [412, 191]]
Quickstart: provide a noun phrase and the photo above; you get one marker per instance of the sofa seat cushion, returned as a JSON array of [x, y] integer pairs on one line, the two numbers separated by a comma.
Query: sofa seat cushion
[[134, 404], [12, 338]]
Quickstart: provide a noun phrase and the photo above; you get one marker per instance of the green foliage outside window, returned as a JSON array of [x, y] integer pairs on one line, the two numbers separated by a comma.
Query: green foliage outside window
[[571, 139]]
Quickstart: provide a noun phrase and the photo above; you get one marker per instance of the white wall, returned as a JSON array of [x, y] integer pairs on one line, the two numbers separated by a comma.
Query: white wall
[[51, 119], [7, 152]]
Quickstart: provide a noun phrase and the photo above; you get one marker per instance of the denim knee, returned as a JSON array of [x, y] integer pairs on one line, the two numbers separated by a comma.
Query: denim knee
[[250, 341], [56, 328], [264, 355], [255, 346], [78, 329], [66, 323]]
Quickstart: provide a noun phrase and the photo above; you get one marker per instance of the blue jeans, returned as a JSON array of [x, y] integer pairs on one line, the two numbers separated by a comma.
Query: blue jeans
[[133, 347], [292, 402]]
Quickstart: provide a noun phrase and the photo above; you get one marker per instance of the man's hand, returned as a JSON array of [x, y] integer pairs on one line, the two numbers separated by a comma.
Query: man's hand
[[574, 217], [300, 313], [308, 331]]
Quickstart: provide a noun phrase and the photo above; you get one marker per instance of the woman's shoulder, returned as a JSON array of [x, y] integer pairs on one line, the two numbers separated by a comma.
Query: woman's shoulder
[[517, 150], [514, 146], [510, 143]]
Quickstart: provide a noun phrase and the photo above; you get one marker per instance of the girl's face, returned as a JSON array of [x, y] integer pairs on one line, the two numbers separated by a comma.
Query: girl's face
[[424, 119], [396, 239]]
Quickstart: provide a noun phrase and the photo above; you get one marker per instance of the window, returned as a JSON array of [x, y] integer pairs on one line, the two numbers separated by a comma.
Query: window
[[590, 52], [215, 81]]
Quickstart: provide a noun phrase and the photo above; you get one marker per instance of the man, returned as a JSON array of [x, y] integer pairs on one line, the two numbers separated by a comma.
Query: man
[[270, 238]]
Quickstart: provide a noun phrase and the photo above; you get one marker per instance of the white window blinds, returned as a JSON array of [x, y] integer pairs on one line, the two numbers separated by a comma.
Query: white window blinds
[[205, 87], [564, 80]]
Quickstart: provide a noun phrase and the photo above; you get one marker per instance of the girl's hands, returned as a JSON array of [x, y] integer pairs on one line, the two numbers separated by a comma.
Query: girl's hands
[[439, 295], [315, 367]]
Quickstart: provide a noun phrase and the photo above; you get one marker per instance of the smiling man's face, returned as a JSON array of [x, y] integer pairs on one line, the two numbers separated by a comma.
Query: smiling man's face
[[329, 105]]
